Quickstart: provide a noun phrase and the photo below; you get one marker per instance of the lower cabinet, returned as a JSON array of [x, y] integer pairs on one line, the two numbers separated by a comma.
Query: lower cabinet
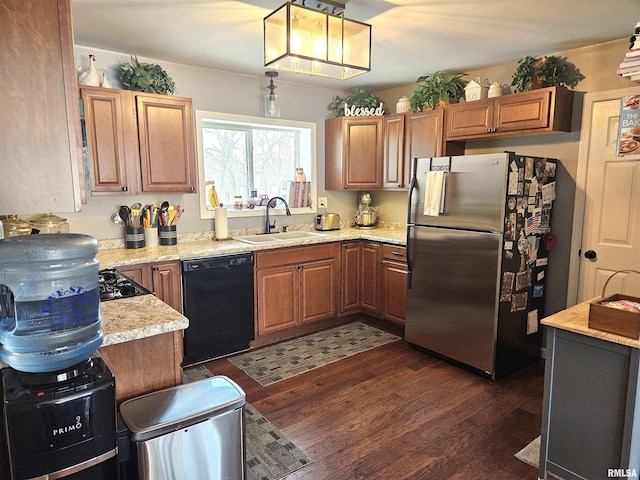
[[162, 278], [359, 282], [145, 365], [373, 280], [295, 286], [394, 283]]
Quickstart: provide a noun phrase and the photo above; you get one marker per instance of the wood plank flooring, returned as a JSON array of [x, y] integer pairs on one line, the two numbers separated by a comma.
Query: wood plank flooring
[[396, 413]]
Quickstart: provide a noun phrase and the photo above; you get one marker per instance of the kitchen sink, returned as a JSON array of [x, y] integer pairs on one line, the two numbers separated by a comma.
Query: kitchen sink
[[261, 238]]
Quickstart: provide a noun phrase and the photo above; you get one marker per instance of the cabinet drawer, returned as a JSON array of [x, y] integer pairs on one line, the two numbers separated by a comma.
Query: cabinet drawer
[[393, 252], [296, 255]]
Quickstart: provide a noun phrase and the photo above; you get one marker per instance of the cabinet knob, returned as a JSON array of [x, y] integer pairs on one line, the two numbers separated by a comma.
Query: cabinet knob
[[125, 189], [192, 188]]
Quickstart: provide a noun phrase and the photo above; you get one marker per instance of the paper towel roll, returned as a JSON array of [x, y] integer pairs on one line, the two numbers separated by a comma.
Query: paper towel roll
[[222, 223]]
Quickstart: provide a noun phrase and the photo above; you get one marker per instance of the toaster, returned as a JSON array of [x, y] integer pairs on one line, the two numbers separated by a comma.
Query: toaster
[[328, 221]]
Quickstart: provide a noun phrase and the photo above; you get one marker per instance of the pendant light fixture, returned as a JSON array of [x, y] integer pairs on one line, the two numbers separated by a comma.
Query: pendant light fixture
[[271, 100], [318, 41]]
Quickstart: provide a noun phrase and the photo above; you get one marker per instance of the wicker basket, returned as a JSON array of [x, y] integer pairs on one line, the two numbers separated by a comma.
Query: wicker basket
[[613, 320]]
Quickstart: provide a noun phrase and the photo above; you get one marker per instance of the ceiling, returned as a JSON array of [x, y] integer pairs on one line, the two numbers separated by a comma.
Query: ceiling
[[410, 38]]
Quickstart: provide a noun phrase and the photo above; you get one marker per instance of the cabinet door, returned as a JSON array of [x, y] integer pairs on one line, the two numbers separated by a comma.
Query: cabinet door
[[140, 274], [318, 290], [522, 112], [469, 118], [423, 138], [166, 283], [349, 281], [165, 135], [40, 136], [109, 126], [369, 277], [362, 142], [394, 288], [394, 161], [277, 294]]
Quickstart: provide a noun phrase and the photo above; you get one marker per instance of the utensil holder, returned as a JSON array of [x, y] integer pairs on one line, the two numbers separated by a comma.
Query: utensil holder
[[151, 238], [168, 235], [133, 237]]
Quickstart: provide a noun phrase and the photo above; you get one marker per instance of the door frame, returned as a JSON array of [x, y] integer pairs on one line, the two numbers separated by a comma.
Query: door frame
[[581, 182]]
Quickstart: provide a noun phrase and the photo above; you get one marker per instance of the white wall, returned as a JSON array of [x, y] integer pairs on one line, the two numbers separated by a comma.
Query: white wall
[[219, 91]]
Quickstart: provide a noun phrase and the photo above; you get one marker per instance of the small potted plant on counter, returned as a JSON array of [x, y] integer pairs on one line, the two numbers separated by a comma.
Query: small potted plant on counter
[[437, 88], [547, 71]]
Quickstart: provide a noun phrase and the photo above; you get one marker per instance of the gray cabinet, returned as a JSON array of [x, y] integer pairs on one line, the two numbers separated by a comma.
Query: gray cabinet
[[591, 410]]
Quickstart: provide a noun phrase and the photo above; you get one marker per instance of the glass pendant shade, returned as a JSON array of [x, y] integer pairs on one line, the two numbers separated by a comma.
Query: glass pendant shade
[[303, 40], [271, 105]]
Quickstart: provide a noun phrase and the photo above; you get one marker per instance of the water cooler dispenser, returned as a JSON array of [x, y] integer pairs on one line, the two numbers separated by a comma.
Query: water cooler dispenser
[[58, 396]]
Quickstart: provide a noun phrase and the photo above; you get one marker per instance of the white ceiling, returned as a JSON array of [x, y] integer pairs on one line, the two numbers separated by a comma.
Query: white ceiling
[[410, 38]]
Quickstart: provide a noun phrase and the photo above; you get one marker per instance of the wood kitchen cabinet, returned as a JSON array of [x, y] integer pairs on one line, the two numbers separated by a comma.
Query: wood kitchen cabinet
[[354, 153], [370, 277], [407, 136], [162, 278], [360, 278], [544, 110], [145, 365], [294, 286], [139, 142], [394, 283], [40, 139]]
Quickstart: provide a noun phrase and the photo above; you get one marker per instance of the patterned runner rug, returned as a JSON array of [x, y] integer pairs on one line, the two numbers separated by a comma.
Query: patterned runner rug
[[284, 360], [530, 454], [270, 455]]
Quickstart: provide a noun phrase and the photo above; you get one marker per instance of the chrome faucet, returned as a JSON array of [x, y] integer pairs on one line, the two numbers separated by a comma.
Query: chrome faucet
[[268, 226]]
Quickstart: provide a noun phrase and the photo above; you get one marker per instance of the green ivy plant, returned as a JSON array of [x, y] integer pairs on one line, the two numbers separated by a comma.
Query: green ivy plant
[[360, 98], [146, 77], [439, 86], [550, 71]]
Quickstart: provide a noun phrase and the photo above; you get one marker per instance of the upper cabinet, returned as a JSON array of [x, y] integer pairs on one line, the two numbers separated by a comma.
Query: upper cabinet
[[545, 110], [40, 137], [354, 153], [139, 142], [374, 153]]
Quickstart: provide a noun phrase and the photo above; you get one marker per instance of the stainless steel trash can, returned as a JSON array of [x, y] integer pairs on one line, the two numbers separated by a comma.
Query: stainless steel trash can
[[193, 431]]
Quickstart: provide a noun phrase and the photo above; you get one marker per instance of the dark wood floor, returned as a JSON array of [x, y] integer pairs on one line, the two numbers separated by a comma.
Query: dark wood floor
[[395, 413]]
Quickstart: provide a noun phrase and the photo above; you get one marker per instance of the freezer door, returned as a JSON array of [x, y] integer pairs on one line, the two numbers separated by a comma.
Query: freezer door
[[452, 300], [474, 191]]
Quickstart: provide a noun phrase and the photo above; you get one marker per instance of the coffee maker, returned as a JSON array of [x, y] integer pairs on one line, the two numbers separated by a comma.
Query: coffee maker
[[366, 216]]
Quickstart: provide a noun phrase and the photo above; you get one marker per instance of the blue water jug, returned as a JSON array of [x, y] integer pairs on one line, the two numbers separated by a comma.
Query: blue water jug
[[49, 301]]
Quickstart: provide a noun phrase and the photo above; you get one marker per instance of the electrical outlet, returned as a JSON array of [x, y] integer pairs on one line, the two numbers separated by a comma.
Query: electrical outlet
[[322, 202]]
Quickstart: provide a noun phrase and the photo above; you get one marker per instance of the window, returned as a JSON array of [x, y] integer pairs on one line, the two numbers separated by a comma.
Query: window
[[243, 156]]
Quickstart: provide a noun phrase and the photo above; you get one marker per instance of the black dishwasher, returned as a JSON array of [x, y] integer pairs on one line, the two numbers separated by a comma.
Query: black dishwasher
[[217, 296]]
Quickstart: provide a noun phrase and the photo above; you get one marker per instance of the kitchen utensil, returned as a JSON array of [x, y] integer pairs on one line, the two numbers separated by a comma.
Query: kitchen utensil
[[163, 216], [125, 215], [179, 212]]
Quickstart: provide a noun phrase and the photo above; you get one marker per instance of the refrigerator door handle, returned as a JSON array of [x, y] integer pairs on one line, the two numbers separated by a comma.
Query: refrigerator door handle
[[408, 253], [412, 186]]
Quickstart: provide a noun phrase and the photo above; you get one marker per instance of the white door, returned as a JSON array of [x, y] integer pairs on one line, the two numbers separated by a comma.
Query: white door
[[611, 228]]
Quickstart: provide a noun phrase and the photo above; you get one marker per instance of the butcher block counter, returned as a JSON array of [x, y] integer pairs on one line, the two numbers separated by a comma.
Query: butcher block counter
[[591, 409]]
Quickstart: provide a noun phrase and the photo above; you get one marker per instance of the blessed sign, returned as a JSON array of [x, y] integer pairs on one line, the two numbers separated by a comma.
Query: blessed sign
[[354, 111]]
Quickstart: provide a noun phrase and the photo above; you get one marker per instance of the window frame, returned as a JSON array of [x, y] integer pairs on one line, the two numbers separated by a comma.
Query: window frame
[[245, 121]]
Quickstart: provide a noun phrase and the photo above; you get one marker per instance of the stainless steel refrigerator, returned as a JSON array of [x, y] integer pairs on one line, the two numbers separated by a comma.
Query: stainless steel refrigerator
[[478, 236]]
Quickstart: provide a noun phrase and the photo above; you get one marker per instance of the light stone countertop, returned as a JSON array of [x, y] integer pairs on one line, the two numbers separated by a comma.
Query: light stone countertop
[[576, 319], [117, 257], [144, 316], [132, 318]]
